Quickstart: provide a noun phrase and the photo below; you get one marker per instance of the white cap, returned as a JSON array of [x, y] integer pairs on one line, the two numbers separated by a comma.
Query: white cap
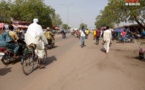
[[35, 20]]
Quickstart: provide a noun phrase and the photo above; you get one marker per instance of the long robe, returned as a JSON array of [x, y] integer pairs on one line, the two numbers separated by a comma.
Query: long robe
[[107, 36], [36, 36]]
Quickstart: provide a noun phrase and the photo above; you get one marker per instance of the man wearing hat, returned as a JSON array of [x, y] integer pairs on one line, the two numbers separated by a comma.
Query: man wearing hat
[[49, 35]]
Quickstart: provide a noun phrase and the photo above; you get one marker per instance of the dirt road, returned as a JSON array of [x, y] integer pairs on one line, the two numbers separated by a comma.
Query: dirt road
[[70, 67]]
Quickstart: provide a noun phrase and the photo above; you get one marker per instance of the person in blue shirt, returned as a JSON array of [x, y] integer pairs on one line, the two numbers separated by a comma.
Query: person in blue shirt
[[143, 33], [63, 33], [6, 41]]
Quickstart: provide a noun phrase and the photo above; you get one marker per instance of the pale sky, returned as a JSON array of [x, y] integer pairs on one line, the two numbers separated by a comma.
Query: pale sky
[[80, 11]]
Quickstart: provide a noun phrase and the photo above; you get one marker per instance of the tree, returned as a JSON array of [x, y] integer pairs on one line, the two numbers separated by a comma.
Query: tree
[[65, 26], [27, 10], [56, 20], [116, 11], [82, 24], [5, 11]]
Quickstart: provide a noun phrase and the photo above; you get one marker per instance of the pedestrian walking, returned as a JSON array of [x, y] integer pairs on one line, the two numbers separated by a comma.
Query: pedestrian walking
[[82, 38], [94, 34], [87, 33], [98, 34], [107, 36]]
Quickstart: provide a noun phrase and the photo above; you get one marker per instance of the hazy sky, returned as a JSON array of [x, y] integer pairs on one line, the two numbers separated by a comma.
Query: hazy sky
[[80, 11]]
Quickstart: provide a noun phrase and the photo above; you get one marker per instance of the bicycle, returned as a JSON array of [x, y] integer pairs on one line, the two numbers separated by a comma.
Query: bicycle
[[29, 59]]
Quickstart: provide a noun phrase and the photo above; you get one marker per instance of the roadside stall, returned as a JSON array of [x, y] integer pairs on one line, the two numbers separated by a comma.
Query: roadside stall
[[22, 25], [117, 33]]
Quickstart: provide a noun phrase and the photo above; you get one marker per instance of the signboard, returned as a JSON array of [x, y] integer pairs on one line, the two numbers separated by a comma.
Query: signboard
[[132, 3]]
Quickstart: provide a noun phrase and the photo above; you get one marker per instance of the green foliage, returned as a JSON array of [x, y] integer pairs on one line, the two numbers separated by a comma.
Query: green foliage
[[5, 11], [57, 20], [26, 10], [65, 26], [116, 11], [82, 24]]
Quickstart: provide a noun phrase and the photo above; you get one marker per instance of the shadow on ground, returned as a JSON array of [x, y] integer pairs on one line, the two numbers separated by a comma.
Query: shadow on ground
[[4, 71], [134, 57], [117, 49], [49, 47], [140, 59], [48, 61], [103, 50]]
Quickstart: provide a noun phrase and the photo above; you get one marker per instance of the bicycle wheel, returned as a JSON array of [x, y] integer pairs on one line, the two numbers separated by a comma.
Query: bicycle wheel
[[27, 61], [44, 58]]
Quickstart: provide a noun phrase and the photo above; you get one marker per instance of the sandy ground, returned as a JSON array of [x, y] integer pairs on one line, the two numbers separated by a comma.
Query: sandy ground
[[70, 67]]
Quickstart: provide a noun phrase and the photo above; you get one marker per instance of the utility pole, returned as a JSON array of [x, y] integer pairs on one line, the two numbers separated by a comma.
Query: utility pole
[[67, 6]]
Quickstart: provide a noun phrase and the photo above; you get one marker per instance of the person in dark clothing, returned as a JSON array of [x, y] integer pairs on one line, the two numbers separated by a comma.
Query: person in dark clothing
[[63, 33], [98, 33]]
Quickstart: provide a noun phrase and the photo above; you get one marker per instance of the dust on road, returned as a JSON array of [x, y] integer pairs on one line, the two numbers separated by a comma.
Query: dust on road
[[76, 68]]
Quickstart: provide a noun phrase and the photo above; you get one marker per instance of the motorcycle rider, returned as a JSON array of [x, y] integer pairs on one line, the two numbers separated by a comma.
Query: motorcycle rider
[[63, 33], [20, 36], [49, 35], [6, 41], [35, 38], [13, 34]]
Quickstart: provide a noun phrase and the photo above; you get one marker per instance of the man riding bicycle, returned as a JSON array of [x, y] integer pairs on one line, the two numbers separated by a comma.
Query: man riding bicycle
[[35, 38]]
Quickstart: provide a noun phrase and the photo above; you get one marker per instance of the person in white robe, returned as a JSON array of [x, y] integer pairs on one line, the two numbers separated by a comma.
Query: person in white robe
[[35, 35], [107, 36]]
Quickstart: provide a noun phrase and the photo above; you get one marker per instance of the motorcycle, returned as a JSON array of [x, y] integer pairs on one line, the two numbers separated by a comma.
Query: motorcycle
[[141, 51], [63, 36], [7, 54], [51, 42], [63, 32], [127, 38]]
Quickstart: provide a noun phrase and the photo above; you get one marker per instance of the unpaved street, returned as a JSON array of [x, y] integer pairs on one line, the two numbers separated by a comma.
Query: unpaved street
[[70, 67]]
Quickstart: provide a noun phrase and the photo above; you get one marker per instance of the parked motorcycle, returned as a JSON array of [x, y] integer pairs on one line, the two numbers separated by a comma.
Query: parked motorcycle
[[127, 38], [137, 36], [141, 51]]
